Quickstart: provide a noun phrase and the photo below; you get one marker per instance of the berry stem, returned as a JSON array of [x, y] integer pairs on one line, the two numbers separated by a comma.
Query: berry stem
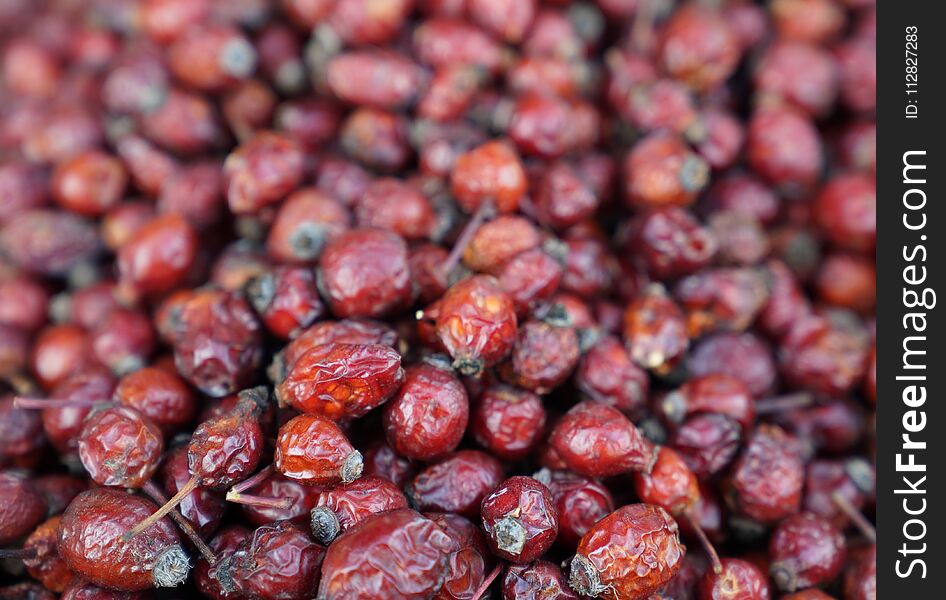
[[43, 403], [20, 384], [784, 403], [152, 491], [261, 501], [487, 582], [706, 543], [860, 521], [168, 506], [251, 482], [484, 212], [17, 553]]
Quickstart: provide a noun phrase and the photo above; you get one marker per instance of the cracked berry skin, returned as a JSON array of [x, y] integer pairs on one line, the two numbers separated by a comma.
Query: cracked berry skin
[[223, 545], [217, 342], [543, 356], [397, 555], [520, 519], [429, 414], [340, 508], [595, 440], [476, 323], [469, 559], [805, 550], [490, 173], [22, 507], [91, 542], [509, 422], [203, 507], [342, 381], [767, 478], [365, 273], [669, 483], [275, 562], [540, 579], [45, 565], [120, 447], [739, 580], [315, 451], [579, 501], [631, 553], [226, 449], [344, 331], [607, 375], [457, 483]]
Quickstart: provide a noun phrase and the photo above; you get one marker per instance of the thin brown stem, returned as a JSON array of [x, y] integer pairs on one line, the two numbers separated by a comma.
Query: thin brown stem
[[261, 501], [251, 482], [484, 212], [152, 491], [784, 403], [487, 582], [20, 553], [44, 403], [162, 512], [857, 517], [706, 543]]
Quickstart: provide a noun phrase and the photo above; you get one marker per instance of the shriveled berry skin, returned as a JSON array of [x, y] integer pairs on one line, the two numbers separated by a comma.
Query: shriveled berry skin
[[580, 503], [345, 331], [276, 562], [669, 483], [45, 565], [508, 422], [342, 381], [707, 443], [846, 211], [48, 242], [806, 550], [83, 590], [226, 449], [315, 451], [217, 345], [223, 544], [491, 173], [397, 555], [21, 431], [860, 581], [397, 206], [606, 374], [119, 446], [476, 323], [22, 507], [742, 355], [531, 278], [543, 357], [830, 358], [739, 580], [302, 498], [540, 579], [595, 440], [784, 148], [699, 47], [382, 461], [286, 299], [365, 273], [631, 553], [662, 171], [469, 557], [766, 480], [304, 224], [428, 416], [63, 425], [160, 395], [91, 542], [670, 243], [159, 255], [714, 393], [203, 507], [655, 331], [262, 171], [497, 242], [457, 483], [342, 507], [520, 519]]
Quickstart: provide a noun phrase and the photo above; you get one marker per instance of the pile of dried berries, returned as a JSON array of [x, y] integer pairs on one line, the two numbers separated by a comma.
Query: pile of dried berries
[[437, 299]]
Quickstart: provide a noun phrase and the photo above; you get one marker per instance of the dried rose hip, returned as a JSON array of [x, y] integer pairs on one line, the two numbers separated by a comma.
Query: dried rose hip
[[520, 519], [540, 579], [631, 553], [598, 441], [806, 550], [456, 483], [508, 422], [315, 451], [120, 447], [766, 480], [342, 507], [580, 503]]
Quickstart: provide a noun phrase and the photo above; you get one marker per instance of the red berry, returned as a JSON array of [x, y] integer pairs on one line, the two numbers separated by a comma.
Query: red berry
[[806, 550], [520, 519], [339, 509], [315, 451], [456, 483], [766, 480], [120, 447], [508, 422], [598, 441]]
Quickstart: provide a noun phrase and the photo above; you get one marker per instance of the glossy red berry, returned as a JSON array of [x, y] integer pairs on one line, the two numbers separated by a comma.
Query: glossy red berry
[[93, 542], [160, 395], [631, 553], [543, 356], [203, 507], [476, 323], [22, 508], [490, 173], [698, 47], [397, 206], [382, 461], [286, 299], [383, 284], [824, 356], [456, 483], [846, 211], [89, 184], [806, 550], [223, 545], [606, 374], [598, 441], [304, 224], [669, 484], [715, 393], [520, 519], [767, 478], [662, 171], [508, 422], [707, 443], [315, 451], [580, 503], [398, 555], [540, 579], [342, 507], [655, 331], [738, 579], [783, 147], [121, 447], [429, 414], [469, 558], [262, 171]]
